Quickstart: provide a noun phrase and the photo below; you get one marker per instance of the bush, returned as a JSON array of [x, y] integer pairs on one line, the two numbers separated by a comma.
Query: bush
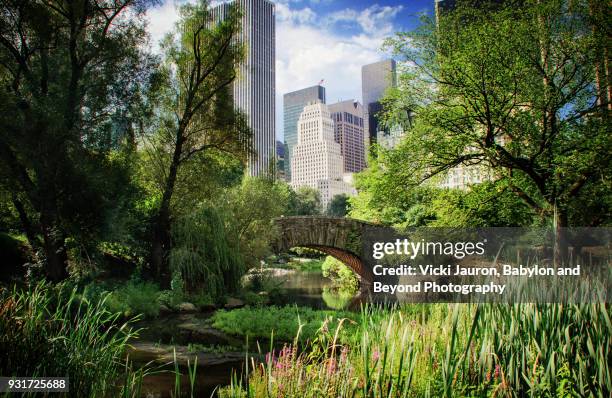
[[135, 298], [129, 299]]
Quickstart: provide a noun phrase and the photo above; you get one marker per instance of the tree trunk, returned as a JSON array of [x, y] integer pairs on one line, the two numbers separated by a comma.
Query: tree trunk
[[161, 232], [561, 239], [26, 223], [55, 248]]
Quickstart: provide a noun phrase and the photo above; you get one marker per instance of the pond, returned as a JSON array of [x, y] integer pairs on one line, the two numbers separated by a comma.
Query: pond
[[185, 336]]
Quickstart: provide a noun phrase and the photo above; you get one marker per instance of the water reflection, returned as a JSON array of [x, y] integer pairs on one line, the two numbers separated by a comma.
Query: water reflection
[[310, 289]]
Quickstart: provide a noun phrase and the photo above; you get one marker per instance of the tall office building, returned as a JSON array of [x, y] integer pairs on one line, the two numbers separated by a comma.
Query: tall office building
[[293, 105], [316, 160], [254, 88], [348, 132], [376, 78]]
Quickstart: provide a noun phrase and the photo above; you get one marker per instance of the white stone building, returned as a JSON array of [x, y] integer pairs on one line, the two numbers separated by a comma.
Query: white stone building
[[316, 160]]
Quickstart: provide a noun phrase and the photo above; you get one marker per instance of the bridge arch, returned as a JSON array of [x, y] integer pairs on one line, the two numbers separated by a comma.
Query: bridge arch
[[341, 238]]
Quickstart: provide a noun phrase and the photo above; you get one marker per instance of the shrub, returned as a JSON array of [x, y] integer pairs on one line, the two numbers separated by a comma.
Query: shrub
[[135, 298], [129, 299]]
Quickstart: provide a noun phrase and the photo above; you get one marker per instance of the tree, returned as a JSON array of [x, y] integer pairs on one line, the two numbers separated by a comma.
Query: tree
[[338, 206], [384, 197], [196, 109], [306, 201], [68, 71], [513, 90], [252, 206]]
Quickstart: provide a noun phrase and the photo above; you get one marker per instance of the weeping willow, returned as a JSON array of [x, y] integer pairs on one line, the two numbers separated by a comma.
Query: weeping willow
[[204, 254]]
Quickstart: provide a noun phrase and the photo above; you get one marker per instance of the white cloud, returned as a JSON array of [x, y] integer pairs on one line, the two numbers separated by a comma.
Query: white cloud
[[312, 49], [161, 20], [310, 46]]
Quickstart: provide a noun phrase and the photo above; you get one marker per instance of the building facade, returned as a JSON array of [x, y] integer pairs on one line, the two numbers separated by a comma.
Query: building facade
[[376, 78], [349, 132], [316, 159], [254, 88], [293, 105]]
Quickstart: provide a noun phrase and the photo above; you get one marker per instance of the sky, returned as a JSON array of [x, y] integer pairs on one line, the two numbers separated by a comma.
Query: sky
[[321, 40]]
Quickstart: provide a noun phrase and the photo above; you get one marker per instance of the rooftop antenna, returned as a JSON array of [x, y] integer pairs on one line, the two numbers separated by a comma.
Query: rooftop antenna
[[320, 82]]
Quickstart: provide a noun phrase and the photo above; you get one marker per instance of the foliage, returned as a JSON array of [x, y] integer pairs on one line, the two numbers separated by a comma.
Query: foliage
[[453, 350], [384, 198], [282, 322], [311, 265], [47, 333], [512, 90], [343, 278], [338, 206], [204, 253], [252, 206], [134, 298], [307, 252], [305, 201], [70, 80], [487, 204]]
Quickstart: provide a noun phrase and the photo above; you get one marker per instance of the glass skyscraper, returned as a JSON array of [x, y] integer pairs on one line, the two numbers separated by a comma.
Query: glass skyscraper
[[254, 88], [293, 105], [375, 79]]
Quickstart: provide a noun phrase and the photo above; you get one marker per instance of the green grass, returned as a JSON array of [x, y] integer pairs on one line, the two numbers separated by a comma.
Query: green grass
[[282, 322]]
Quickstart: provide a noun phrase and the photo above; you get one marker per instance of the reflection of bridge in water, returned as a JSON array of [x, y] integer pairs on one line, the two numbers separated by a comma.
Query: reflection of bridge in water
[[342, 238]]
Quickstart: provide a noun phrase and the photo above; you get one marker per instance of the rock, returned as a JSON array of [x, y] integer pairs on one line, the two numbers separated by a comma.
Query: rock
[[187, 307], [233, 303], [163, 354], [163, 309], [198, 332]]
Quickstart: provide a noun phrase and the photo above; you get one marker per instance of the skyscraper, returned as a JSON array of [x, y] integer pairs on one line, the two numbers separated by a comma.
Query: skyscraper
[[376, 78], [254, 88], [317, 160], [293, 105], [348, 132]]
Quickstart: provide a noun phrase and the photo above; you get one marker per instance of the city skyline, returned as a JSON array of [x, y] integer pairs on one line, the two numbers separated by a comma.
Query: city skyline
[[321, 39]]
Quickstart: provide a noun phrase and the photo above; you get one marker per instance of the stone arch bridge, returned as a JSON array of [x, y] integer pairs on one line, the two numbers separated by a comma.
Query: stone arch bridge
[[342, 238]]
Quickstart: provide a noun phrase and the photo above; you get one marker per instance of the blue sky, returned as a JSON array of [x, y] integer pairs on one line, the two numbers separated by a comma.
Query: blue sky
[[322, 39]]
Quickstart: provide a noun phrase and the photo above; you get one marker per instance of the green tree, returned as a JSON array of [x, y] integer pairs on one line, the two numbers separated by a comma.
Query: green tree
[[384, 197], [196, 111], [305, 201], [338, 206], [513, 90], [252, 206], [69, 72]]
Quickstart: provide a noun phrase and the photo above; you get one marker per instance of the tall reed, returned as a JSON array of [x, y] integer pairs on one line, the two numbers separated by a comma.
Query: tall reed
[[501, 350], [47, 332]]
